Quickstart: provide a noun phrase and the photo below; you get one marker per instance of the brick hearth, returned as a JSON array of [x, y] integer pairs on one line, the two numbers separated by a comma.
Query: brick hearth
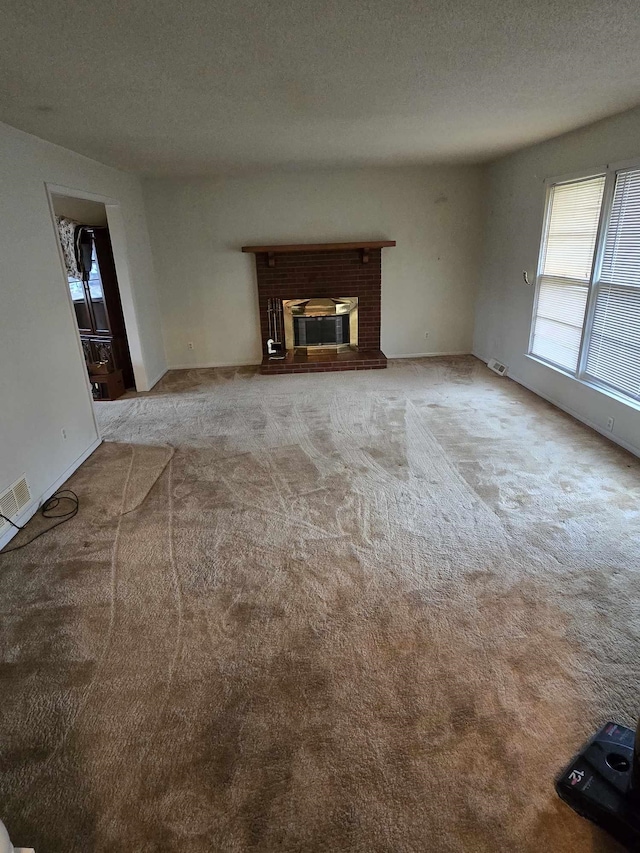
[[323, 362], [339, 272]]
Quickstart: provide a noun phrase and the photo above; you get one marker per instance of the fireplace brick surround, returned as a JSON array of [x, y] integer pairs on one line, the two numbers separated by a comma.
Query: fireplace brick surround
[[323, 273]]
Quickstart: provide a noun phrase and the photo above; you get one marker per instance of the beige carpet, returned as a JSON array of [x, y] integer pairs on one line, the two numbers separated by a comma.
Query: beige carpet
[[352, 612]]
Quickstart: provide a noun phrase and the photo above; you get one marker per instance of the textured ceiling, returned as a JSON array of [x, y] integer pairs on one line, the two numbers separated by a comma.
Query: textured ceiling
[[212, 86]]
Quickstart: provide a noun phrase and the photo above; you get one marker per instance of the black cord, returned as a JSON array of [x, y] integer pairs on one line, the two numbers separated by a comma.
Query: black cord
[[47, 510]]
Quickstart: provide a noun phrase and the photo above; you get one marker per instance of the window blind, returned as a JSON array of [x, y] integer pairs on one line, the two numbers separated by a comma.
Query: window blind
[[565, 272], [613, 354]]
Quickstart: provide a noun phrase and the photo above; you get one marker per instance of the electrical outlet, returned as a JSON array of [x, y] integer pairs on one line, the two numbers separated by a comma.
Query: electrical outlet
[[610, 423], [426, 334], [190, 344], [63, 433]]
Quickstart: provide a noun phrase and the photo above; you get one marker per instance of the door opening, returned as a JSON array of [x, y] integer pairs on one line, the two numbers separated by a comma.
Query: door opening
[[93, 286]]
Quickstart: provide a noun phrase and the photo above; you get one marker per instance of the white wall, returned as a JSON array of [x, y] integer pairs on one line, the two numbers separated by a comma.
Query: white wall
[[208, 291], [515, 208], [43, 382]]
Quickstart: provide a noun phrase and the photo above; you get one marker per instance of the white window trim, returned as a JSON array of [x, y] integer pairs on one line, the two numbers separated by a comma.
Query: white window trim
[[610, 171]]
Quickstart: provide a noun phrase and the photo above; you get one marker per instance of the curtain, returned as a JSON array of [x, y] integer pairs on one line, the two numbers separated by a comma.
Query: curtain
[[67, 231]]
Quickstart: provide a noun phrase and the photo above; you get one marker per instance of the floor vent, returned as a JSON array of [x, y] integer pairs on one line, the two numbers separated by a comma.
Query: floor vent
[[498, 368], [14, 499]]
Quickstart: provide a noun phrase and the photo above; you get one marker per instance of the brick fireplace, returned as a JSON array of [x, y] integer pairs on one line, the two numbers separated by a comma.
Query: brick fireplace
[[309, 289]]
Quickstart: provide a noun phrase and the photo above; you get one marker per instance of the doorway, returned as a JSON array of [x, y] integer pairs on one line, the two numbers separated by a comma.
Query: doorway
[[90, 269]]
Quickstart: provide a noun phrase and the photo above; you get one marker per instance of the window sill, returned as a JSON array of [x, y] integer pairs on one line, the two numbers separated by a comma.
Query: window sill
[[601, 389]]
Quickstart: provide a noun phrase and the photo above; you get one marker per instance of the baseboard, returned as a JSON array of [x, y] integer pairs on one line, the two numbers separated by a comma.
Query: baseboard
[[579, 417], [605, 433], [206, 364], [427, 354], [33, 507]]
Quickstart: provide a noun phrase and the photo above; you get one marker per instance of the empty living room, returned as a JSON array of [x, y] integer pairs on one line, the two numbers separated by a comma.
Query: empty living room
[[319, 426]]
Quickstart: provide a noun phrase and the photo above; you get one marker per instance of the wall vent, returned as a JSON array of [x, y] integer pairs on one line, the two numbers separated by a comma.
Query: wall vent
[[497, 367], [14, 499]]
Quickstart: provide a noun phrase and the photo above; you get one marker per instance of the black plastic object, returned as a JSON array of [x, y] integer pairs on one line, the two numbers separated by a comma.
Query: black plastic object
[[602, 783]]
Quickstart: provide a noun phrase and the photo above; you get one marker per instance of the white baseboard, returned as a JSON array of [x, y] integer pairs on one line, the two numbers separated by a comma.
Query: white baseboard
[[579, 417], [33, 507], [427, 354], [205, 364]]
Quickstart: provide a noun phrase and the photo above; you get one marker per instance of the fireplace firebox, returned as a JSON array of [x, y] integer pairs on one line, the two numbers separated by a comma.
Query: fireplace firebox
[[320, 331], [321, 324]]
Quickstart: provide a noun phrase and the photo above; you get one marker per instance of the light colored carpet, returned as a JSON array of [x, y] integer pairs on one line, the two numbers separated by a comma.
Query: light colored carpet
[[354, 612]]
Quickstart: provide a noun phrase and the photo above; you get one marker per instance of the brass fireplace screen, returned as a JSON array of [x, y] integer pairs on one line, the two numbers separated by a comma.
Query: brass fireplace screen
[[312, 324]]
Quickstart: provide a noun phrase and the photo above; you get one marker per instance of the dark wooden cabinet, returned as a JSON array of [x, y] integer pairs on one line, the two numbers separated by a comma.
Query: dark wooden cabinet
[[99, 310]]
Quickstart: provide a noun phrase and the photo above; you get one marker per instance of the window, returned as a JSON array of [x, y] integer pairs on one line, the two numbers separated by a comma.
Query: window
[[587, 312]]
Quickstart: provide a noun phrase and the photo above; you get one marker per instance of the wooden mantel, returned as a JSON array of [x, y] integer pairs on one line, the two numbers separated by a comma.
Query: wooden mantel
[[364, 247]]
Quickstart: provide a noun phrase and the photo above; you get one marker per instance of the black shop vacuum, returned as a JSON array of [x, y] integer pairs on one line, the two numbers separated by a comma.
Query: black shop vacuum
[[602, 783]]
